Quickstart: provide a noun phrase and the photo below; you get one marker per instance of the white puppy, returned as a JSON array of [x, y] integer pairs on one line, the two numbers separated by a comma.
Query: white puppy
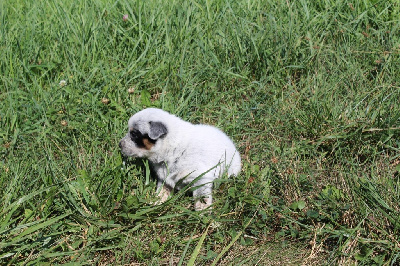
[[180, 151]]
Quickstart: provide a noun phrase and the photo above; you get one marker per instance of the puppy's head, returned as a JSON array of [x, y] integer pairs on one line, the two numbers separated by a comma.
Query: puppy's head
[[146, 129]]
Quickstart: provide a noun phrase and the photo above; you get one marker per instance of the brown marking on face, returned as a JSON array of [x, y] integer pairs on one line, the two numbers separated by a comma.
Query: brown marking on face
[[148, 143], [142, 141]]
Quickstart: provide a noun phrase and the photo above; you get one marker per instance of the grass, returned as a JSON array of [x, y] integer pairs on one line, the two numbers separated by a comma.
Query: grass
[[308, 90]]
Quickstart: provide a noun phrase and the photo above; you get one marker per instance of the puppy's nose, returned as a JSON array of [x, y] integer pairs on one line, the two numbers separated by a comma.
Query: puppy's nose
[[120, 144]]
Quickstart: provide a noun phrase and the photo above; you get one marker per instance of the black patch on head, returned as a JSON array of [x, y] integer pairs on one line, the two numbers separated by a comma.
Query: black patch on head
[[157, 130], [140, 139]]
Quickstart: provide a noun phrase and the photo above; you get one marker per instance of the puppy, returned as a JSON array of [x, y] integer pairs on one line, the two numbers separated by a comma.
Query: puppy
[[180, 152]]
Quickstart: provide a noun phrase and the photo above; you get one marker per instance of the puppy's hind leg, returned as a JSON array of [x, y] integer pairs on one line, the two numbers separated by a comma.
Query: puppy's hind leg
[[203, 197], [163, 192]]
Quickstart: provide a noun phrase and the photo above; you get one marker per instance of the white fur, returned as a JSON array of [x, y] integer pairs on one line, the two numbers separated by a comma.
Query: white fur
[[185, 152]]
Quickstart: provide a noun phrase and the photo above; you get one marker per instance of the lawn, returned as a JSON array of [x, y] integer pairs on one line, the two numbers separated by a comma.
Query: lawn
[[308, 90]]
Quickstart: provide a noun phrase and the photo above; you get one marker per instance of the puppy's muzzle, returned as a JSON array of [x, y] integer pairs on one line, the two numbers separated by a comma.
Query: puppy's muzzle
[[122, 146], [124, 158]]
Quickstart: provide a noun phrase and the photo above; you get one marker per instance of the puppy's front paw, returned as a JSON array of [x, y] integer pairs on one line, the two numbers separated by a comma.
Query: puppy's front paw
[[202, 204], [163, 195]]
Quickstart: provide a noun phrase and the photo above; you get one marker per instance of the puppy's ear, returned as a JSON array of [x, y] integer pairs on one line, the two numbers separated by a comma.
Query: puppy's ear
[[157, 130]]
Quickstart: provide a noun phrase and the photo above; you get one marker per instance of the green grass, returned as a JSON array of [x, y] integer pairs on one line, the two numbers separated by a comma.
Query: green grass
[[308, 90]]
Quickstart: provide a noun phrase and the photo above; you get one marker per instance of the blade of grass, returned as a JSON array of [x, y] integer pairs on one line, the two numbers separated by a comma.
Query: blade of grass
[[233, 241], [186, 249], [197, 249], [37, 227]]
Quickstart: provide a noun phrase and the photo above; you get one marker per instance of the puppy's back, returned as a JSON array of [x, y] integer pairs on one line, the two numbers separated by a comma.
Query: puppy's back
[[215, 147]]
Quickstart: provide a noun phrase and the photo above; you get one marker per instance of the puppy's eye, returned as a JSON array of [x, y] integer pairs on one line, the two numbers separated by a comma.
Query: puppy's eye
[[141, 140], [135, 134]]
